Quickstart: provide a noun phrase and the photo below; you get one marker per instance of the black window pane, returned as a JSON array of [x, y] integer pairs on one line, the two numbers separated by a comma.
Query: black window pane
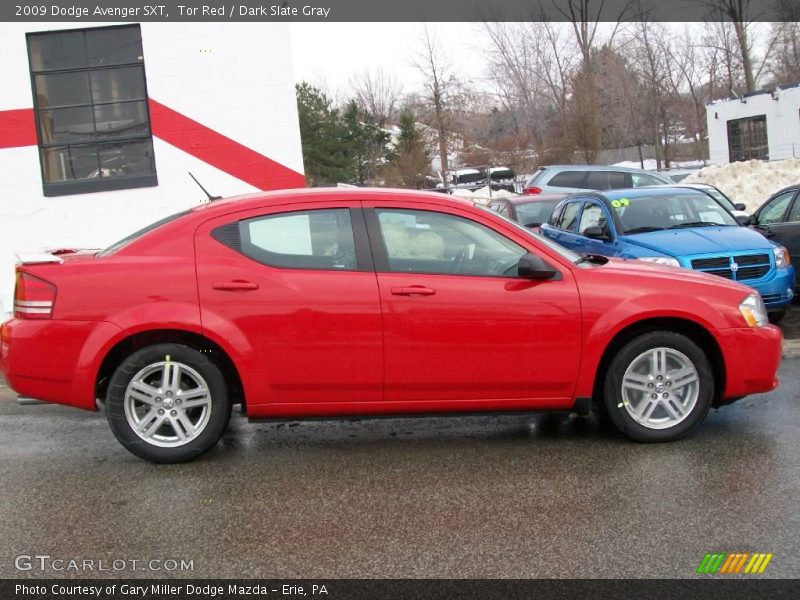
[[126, 119], [62, 89], [57, 50], [616, 180], [597, 180], [60, 125], [126, 159], [64, 163], [569, 179], [113, 46], [114, 85]]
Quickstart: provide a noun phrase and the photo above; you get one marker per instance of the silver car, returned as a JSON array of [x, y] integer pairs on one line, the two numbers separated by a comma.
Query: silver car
[[567, 179]]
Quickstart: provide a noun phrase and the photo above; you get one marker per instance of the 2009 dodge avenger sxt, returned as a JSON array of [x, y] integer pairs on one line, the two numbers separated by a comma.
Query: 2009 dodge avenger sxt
[[332, 303]]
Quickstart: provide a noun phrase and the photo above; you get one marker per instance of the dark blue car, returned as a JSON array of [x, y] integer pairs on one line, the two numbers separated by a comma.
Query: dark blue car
[[679, 227]]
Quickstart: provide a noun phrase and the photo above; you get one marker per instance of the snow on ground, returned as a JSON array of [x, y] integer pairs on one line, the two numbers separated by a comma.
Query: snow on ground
[[752, 181], [651, 165], [481, 195]]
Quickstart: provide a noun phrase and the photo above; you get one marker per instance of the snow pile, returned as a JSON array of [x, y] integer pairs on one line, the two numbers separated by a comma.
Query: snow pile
[[481, 195], [650, 164], [752, 181]]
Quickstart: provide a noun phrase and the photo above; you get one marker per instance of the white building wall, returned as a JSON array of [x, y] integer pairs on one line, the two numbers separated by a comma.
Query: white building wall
[[783, 123], [233, 78]]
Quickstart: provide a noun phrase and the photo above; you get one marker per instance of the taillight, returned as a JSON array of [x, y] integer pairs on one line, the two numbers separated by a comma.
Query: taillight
[[33, 297], [531, 191]]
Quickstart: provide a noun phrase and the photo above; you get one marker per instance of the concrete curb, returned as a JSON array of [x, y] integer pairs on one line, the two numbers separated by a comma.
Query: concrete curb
[[791, 348]]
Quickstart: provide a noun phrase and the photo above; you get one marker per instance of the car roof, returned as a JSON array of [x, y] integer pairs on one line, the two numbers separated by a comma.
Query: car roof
[[640, 192], [299, 195], [600, 168], [530, 199]]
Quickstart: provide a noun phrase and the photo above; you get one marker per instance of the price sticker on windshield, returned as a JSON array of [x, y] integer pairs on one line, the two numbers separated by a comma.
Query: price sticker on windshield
[[620, 203]]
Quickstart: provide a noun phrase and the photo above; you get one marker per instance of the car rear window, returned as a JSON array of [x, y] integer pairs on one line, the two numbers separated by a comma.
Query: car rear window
[[137, 234], [567, 179]]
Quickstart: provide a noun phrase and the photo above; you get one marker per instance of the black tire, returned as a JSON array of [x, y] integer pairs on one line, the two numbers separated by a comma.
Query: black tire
[[618, 414], [218, 415], [776, 316]]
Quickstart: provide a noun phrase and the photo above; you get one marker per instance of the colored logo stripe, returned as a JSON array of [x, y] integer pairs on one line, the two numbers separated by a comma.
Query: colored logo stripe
[[734, 563]]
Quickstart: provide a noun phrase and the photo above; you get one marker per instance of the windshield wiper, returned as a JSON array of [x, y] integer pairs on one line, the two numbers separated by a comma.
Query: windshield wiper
[[644, 229], [697, 224]]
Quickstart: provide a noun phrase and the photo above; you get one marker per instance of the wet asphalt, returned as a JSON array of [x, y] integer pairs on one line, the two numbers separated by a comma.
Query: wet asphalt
[[508, 496]]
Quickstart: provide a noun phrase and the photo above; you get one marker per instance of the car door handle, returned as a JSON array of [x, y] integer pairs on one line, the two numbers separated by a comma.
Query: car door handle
[[237, 285], [412, 290]]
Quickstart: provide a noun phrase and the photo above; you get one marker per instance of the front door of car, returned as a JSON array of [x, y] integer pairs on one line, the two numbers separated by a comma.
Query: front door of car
[[595, 230], [788, 233], [293, 288], [459, 326]]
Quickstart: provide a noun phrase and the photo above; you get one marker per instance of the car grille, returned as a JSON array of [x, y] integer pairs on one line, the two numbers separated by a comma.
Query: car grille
[[749, 266]]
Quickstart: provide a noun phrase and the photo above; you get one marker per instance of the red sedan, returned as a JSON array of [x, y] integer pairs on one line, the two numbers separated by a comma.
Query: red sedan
[[329, 303]]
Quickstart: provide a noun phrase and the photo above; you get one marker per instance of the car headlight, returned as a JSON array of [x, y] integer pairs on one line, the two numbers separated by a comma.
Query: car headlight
[[661, 260], [754, 311], [781, 256]]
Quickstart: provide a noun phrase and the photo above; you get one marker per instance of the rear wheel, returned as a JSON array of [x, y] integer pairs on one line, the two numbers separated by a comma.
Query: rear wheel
[[167, 403], [658, 387]]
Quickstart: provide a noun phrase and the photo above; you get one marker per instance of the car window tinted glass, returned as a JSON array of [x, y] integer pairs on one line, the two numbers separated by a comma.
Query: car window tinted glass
[[794, 214], [640, 180], [597, 180], [500, 207], [568, 216], [592, 216], [535, 212], [432, 242], [568, 179], [774, 211], [670, 212], [313, 239], [721, 198]]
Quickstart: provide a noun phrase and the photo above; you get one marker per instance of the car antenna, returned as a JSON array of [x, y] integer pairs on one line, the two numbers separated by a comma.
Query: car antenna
[[210, 197]]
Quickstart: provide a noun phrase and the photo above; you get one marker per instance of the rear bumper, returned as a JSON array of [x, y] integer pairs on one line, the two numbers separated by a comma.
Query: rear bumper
[[54, 360], [752, 357]]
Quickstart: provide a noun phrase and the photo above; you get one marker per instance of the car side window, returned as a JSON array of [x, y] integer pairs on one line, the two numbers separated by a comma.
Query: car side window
[[556, 216], [311, 239], [640, 180], [592, 216], [773, 212], [500, 208], [597, 180], [567, 179], [421, 241], [794, 214], [568, 216]]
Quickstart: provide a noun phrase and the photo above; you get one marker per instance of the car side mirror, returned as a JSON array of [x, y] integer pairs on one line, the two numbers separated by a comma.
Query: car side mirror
[[531, 266], [595, 232], [745, 220], [532, 225], [740, 206]]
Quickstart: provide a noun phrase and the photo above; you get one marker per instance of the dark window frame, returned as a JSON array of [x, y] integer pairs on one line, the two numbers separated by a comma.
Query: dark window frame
[[747, 135], [99, 184]]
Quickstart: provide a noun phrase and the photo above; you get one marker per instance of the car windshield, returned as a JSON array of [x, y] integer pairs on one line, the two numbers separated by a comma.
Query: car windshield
[[137, 234], [721, 198], [535, 213], [640, 214]]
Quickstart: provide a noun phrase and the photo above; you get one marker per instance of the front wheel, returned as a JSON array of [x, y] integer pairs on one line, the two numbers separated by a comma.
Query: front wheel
[[658, 387], [776, 316], [167, 403]]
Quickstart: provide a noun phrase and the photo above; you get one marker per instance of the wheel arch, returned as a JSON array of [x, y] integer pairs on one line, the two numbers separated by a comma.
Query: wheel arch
[[691, 329], [124, 347]]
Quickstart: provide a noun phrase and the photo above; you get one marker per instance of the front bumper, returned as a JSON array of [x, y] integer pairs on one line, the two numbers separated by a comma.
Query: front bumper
[[752, 357], [778, 291]]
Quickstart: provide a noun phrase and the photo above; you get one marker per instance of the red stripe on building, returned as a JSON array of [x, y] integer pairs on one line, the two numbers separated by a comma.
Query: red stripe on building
[[18, 128], [220, 151]]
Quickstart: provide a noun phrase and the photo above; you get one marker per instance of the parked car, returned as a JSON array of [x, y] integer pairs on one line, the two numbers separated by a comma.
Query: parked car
[[567, 179], [737, 209], [779, 220], [530, 211], [675, 226], [351, 302]]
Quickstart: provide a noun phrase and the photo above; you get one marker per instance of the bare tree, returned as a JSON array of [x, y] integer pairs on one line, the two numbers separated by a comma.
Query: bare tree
[[440, 90], [378, 94]]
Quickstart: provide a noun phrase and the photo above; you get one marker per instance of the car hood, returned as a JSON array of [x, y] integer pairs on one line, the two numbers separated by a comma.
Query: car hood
[[700, 240], [637, 268]]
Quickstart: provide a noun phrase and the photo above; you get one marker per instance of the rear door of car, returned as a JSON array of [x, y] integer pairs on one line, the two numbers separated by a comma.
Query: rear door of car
[[564, 182], [788, 232], [563, 226], [293, 288]]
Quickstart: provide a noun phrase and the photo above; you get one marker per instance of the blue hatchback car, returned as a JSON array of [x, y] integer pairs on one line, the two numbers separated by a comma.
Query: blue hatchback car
[[679, 227]]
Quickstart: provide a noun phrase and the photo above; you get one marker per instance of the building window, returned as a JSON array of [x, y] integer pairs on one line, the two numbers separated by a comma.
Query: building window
[[92, 118], [747, 139]]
